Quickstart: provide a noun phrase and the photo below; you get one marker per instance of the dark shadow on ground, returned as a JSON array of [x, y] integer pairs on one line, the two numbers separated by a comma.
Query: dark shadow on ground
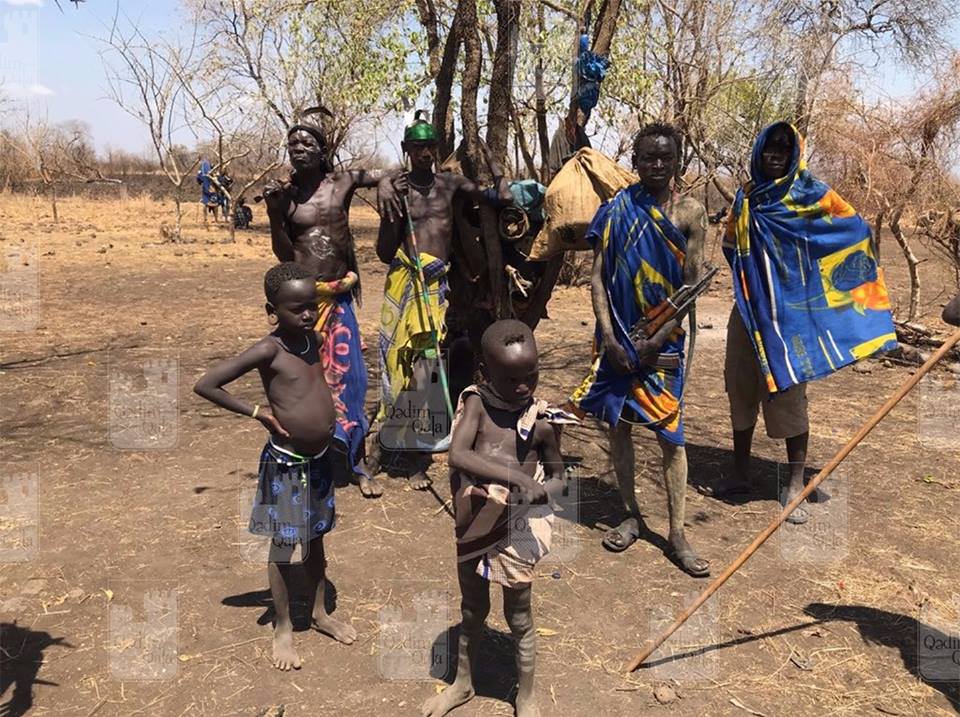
[[929, 654], [495, 671], [21, 655], [302, 603]]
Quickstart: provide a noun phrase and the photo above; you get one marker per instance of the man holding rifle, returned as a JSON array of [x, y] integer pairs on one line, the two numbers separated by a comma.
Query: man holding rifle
[[648, 246]]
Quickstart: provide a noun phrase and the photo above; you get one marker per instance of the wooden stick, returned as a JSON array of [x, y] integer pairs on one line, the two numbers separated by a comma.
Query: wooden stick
[[793, 504]]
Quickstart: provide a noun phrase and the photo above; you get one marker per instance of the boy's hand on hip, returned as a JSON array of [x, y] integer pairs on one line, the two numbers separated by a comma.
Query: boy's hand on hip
[[270, 422]]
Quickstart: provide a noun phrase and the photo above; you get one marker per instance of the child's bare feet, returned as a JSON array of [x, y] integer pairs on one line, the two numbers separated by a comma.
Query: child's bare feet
[[339, 631], [451, 698], [369, 487], [527, 706], [420, 481], [285, 655]]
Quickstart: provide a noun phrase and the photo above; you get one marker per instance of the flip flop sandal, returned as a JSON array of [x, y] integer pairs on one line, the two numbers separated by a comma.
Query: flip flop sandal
[[627, 537], [688, 560]]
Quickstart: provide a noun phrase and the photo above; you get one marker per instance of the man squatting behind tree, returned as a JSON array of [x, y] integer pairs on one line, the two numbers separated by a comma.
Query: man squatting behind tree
[[309, 218], [405, 332], [503, 455], [648, 243]]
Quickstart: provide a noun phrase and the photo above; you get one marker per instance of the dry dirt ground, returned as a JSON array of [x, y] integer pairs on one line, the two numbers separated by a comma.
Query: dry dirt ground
[[129, 587]]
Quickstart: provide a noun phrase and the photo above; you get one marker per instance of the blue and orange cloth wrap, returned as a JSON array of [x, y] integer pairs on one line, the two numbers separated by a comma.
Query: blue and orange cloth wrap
[[805, 274], [643, 260]]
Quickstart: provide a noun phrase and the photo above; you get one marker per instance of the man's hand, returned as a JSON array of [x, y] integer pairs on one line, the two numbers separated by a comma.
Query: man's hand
[[388, 199], [649, 349], [270, 422], [276, 195], [617, 356]]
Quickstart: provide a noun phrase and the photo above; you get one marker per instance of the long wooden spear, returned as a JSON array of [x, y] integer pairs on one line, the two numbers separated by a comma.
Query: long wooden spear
[[793, 504]]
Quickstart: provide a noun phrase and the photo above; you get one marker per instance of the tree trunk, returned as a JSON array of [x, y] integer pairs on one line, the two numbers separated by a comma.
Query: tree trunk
[[501, 78], [442, 118], [53, 203], [913, 264], [541, 107], [470, 85], [179, 225], [521, 139]]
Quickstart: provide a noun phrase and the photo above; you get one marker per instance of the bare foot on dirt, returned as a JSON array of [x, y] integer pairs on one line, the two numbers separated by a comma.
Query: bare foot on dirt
[[527, 707], [339, 631], [451, 698], [420, 481], [369, 487], [285, 655]]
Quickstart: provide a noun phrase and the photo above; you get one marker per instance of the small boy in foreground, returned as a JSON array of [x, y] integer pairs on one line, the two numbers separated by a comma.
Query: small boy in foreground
[[294, 503], [502, 451]]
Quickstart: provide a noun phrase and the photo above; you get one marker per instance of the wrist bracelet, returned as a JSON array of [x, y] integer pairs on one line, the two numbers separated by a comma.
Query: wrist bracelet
[[256, 410]]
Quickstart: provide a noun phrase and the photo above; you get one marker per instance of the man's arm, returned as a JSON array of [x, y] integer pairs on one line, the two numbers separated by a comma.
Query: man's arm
[[276, 197], [696, 239], [500, 184], [390, 236], [601, 309], [463, 457], [388, 200]]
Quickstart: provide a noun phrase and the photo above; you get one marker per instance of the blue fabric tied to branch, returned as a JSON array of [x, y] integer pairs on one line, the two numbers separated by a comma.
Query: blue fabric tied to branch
[[591, 69]]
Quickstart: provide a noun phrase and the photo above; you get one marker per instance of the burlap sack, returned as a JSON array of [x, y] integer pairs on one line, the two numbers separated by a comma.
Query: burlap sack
[[586, 181]]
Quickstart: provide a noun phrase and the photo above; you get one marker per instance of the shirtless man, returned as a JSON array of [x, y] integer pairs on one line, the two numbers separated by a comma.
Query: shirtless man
[[309, 225], [430, 198], [607, 393]]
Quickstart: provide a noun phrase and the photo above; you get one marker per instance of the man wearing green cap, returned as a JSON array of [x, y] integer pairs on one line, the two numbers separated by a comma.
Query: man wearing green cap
[[309, 217], [405, 327]]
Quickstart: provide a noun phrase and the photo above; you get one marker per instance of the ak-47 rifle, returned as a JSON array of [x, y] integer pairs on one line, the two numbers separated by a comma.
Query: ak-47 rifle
[[676, 307]]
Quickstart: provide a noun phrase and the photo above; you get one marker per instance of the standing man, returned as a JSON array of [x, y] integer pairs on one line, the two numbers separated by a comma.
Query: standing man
[[648, 243], [405, 334], [309, 225], [809, 299]]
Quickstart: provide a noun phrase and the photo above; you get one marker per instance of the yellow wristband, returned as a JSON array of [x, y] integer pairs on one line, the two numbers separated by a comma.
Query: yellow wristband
[[256, 410]]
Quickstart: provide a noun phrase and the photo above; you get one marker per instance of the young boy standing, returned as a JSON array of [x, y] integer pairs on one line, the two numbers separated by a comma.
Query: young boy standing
[[294, 503], [501, 452]]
